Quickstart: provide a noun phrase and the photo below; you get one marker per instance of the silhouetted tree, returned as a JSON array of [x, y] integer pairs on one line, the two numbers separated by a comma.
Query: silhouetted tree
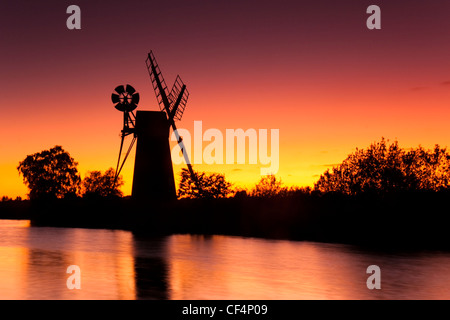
[[98, 184], [211, 186], [269, 186], [50, 173], [386, 167], [240, 192]]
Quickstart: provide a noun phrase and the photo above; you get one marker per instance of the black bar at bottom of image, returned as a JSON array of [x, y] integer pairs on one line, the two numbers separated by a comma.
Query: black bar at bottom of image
[[222, 309]]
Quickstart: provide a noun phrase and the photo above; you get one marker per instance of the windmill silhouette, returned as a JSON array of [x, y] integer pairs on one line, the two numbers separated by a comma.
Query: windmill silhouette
[[153, 171]]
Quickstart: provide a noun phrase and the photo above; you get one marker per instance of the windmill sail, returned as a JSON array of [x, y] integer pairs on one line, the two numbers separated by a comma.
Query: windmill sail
[[158, 83], [178, 98], [173, 103]]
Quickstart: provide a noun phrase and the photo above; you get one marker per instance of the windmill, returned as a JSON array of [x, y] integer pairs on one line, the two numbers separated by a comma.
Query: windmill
[[173, 103], [153, 172]]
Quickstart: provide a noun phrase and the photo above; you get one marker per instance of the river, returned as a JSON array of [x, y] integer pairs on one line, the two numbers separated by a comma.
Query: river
[[116, 264]]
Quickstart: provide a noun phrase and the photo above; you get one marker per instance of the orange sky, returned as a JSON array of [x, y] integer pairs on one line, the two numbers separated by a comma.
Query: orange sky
[[310, 69]]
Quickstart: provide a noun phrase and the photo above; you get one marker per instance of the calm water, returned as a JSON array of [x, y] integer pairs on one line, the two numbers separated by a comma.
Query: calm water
[[118, 265]]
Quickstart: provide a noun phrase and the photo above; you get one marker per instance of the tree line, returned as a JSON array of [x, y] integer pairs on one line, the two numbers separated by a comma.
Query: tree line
[[386, 167], [53, 173], [383, 167]]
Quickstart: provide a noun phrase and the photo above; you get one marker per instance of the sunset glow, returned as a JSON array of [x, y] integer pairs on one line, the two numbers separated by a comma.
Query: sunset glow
[[310, 69]]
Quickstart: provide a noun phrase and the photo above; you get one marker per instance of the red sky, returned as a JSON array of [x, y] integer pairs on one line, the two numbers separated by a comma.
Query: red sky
[[311, 69]]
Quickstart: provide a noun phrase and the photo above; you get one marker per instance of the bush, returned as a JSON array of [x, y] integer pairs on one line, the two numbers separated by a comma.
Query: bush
[[268, 187], [97, 184], [207, 186]]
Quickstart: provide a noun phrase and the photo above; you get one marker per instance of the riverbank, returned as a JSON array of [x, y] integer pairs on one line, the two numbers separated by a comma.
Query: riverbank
[[410, 220]]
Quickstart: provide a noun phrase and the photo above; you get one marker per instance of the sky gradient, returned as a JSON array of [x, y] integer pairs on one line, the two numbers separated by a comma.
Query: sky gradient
[[311, 69]]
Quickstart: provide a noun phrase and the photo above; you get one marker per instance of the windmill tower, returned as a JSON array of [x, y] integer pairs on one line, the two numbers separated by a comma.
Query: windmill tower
[[153, 172]]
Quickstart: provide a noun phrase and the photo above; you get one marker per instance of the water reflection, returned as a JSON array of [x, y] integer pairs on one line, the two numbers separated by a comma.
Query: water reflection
[[120, 265], [151, 269], [36, 259], [235, 268]]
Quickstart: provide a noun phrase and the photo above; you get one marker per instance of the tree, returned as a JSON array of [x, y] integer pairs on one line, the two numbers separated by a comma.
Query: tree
[[96, 183], [269, 186], [50, 174], [211, 186], [384, 167]]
